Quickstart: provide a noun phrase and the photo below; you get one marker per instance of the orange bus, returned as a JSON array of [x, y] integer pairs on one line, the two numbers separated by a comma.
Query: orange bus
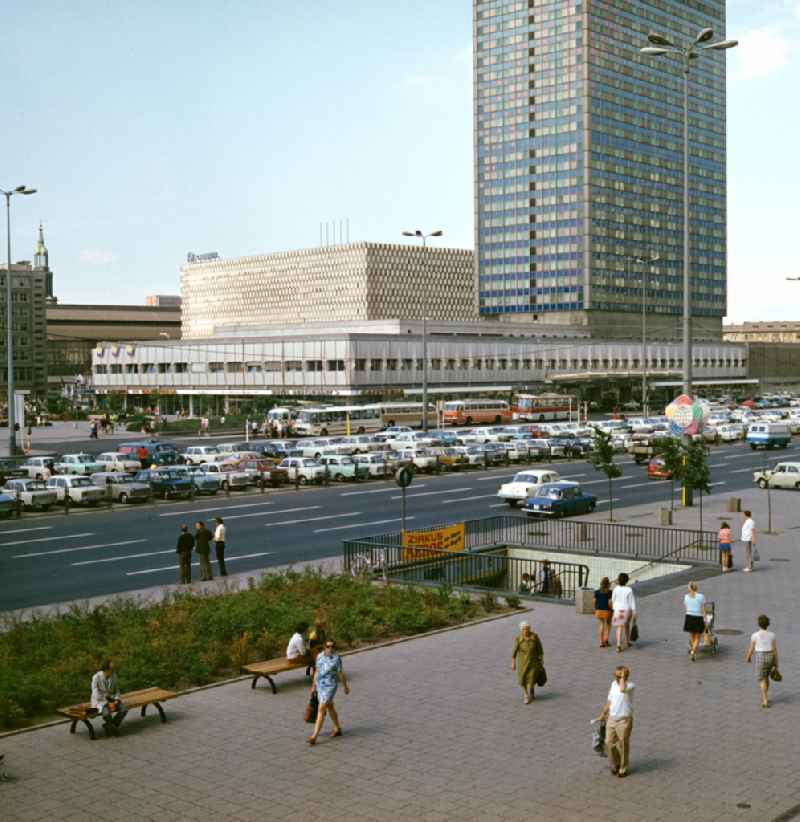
[[541, 407], [469, 412]]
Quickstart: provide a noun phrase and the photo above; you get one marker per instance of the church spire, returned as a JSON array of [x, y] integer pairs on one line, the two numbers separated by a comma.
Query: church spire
[[40, 256]]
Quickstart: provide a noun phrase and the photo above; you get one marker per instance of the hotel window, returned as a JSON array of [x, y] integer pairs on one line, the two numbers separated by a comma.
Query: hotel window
[[294, 365], [335, 365], [408, 364], [116, 368], [100, 369], [272, 365], [148, 368], [526, 365], [361, 365], [132, 368], [451, 365], [436, 364], [465, 364], [163, 368], [376, 365], [181, 367], [213, 367], [514, 364], [391, 365], [503, 364], [313, 365], [253, 367], [420, 364], [233, 367]]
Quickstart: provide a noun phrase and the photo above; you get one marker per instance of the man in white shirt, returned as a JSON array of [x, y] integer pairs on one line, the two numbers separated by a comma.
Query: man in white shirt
[[106, 697], [296, 649], [219, 542], [618, 716], [749, 540]]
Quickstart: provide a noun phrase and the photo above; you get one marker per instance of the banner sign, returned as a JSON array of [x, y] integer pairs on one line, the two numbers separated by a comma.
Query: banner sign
[[415, 543]]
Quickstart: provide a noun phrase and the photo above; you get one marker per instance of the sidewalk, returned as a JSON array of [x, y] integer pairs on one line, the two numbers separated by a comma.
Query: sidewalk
[[435, 728]]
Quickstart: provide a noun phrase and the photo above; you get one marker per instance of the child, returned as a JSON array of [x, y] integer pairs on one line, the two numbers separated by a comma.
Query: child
[[725, 558]]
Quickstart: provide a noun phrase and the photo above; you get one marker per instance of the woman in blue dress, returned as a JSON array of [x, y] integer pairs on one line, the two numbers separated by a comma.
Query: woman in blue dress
[[327, 676]]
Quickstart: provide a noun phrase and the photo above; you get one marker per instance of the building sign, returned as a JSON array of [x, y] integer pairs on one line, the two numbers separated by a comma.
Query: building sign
[[425, 544], [202, 258]]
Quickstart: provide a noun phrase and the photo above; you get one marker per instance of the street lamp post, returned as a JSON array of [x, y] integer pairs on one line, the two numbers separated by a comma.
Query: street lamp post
[[12, 433], [662, 45], [424, 237], [645, 261]]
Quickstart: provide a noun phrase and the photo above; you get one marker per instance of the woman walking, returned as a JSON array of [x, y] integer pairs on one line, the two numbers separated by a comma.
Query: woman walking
[[602, 611], [765, 649], [527, 659], [623, 604], [694, 623], [327, 675], [725, 556]]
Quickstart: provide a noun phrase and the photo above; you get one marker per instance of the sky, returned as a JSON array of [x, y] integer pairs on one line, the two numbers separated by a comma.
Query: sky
[[152, 129]]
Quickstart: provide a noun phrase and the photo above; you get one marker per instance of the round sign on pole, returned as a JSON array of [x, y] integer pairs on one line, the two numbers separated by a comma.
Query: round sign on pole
[[403, 476], [687, 415]]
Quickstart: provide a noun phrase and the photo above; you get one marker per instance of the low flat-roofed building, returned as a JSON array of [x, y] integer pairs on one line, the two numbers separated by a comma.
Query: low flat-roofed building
[[785, 331]]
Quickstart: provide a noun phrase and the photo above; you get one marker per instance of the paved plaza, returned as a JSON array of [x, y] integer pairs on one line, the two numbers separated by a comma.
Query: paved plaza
[[435, 728]]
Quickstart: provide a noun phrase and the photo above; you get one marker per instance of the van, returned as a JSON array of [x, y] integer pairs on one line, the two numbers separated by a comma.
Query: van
[[768, 435]]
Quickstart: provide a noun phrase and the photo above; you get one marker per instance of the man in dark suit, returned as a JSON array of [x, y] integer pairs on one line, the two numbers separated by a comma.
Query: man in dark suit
[[202, 544], [184, 551]]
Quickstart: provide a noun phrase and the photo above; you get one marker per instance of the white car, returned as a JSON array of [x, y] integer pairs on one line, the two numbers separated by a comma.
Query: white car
[[374, 464], [123, 487], [31, 492], [525, 484], [198, 454], [422, 459], [303, 469], [80, 490], [35, 466], [784, 475], [411, 439], [230, 475], [731, 432], [111, 461]]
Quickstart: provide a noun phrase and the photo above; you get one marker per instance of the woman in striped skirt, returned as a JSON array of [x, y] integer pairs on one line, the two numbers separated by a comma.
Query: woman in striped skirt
[[763, 650]]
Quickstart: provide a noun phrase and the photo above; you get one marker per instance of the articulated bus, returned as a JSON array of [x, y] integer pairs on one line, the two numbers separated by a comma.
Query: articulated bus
[[406, 413], [469, 412], [541, 407], [338, 419]]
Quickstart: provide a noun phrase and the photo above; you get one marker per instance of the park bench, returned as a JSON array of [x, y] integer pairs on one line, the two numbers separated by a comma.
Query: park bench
[[270, 667], [84, 712]]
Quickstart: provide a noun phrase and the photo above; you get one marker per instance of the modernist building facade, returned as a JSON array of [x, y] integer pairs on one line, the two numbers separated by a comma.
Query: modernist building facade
[[344, 283], [579, 164]]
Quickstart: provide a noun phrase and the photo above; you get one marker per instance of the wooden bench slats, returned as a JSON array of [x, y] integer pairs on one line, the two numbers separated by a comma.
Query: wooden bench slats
[[269, 667]]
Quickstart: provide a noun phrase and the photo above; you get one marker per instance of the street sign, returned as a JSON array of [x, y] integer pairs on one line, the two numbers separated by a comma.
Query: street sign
[[404, 476]]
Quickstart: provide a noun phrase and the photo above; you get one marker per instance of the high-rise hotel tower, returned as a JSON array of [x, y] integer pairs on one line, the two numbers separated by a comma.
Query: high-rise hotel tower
[[579, 165]]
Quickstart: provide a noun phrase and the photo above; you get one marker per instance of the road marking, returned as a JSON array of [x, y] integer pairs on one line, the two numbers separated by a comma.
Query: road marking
[[273, 513], [499, 505], [752, 470], [79, 548], [435, 493], [499, 476], [127, 556], [313, 519], [25, 530], [376, 491], [717, 464], [45, 539], [466, 499], [218, 508], [595, 482], [636, 485], [737, 456], [712, 484], [573, 476], [194, 564], [359, 525], [603, 501]]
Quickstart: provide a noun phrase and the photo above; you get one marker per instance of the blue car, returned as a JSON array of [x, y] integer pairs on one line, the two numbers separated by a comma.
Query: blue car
[[560, 499]]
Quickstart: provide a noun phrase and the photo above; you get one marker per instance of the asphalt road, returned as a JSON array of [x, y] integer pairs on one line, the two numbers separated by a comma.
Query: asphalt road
[[56, 558]]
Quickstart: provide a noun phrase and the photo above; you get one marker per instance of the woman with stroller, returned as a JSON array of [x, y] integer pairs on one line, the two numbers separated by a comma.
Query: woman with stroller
[[694, 622]]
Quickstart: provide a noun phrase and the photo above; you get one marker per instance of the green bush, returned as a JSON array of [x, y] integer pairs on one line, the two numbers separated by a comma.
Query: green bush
[[189, 640]]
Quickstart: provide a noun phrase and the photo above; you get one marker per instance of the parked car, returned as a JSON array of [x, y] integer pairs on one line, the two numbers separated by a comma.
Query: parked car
[[265, 469], [11, 469], [450, 457], [303, 469], [525, 484], [123, 487], [560, 499], [657, 469], [202, 482], [32, 493], [80, 489], [339, 467], [423, 459], [8, 505], [783, 475], [730, 432], [167, 483], [198, 454], [769, 435], [231, 475], [34, 467], [82, 464], [373, 465], [112, 461]]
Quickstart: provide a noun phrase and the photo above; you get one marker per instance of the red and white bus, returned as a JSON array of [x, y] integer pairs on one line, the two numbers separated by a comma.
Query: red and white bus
[[473, 412], [541, 407]]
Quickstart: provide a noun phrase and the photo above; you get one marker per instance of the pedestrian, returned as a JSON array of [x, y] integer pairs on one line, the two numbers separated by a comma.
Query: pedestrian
[[546, 578], [765, 648], [602, 611], [219, 543], [106, 698], [725, 556], [617, 714], [202, 544], [623, 604], [527, 658], [749, 540], [184, 551], [296, 650], [327, 675], [694, 623]]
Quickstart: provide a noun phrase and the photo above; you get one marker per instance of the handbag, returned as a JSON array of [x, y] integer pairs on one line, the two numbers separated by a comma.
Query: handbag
[[634, 631], [775, 675], [311, 709], [756, 555], [541, 676]]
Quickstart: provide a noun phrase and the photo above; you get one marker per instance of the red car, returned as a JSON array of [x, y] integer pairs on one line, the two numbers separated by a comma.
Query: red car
[[657, 470]]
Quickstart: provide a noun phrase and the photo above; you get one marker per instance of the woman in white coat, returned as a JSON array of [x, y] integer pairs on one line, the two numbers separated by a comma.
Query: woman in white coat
[[623, 606]]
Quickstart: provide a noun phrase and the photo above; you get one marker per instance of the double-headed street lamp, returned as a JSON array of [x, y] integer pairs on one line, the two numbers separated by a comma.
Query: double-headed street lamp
[[662, 45], [12, 432], [424, 237]]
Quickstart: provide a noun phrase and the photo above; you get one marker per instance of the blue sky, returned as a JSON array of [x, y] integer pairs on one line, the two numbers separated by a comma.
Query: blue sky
[[155, 128]]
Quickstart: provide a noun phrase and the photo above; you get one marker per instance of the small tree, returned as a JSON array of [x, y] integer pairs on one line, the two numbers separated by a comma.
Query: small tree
[[669, 449], [697, 474], [602, 459]]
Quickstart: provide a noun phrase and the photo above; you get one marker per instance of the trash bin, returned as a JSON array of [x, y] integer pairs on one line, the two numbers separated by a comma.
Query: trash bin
[[665, 516], [584, 601], [734, 504]]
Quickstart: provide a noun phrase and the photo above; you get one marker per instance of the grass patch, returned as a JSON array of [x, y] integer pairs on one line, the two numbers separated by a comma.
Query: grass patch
[[189, 640]]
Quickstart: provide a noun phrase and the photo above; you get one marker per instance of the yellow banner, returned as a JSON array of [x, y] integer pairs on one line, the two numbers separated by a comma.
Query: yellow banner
[[449, 539]]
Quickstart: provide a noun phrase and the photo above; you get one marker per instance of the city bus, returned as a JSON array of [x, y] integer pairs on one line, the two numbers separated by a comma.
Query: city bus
[[405, 413], [469, 412], [338, 419], [541, 407]]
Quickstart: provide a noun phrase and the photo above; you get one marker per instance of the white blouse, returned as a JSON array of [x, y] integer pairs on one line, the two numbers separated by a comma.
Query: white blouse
[[622, 599]]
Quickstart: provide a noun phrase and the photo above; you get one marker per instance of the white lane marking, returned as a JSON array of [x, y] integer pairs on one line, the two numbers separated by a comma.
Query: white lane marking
[[127, 556], [737, 456], [218, 508], [603, 501], [595, 482], [376, 491], [79, 548], [712, 484], [435, 493], [573, 476], [718, 465], [466, 499], [752, 470], [26, 530], [495, 478], [359, 525], [273, 513], [312, 519], [45, 539], [637, 485], [499, 505], [195, 564]]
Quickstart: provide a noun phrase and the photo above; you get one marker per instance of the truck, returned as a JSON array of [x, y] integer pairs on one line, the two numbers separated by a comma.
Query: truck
[[645, 447], [769, 435]]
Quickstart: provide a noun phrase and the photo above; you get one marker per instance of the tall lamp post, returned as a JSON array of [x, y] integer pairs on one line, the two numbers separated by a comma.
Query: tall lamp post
[[651, 260], [12, 432], [424, 237], [662, 45]]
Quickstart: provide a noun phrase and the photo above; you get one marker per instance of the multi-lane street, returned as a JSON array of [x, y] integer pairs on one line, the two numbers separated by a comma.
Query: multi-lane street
[[57, 558]]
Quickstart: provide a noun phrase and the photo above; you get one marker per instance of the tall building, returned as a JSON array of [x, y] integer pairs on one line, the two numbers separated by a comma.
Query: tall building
[[579, 164]]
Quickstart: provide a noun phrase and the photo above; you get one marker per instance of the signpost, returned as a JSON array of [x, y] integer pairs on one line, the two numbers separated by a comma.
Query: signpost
[[403, 477]]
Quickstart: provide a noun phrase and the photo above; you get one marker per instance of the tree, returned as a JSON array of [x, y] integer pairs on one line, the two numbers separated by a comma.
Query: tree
[[669, 449], [697, 474], [602, 460]]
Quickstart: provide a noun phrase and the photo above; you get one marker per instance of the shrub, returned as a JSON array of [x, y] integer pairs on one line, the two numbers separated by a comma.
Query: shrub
[[513, 602]]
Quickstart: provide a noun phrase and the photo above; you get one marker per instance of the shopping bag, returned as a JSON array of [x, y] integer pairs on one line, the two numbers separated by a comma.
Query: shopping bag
[[634, 631], [756, 555], [598, 735], [541, 676], [310, 712]]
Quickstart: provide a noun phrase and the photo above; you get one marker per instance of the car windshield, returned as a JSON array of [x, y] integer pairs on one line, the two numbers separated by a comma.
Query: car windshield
[[35, 486], [309, 463], [552, 493], [84, 458], [82, 481], [526, 478]]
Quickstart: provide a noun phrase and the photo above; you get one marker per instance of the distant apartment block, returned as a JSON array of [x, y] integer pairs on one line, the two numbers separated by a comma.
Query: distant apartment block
[[778, 331]]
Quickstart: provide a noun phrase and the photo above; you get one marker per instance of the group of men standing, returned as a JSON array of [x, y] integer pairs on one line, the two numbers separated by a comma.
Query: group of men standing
[[200, 541]]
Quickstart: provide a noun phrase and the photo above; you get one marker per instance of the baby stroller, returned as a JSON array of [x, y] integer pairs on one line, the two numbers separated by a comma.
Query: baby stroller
[[709, 641]]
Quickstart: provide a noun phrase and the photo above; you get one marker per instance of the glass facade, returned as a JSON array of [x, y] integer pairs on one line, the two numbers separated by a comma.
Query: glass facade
[[579, 158]]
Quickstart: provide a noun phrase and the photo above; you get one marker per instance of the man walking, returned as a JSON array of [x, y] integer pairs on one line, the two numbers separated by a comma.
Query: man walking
[[184, 551], [202, 544], [749, 540], [219, 542], [617, 713]]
